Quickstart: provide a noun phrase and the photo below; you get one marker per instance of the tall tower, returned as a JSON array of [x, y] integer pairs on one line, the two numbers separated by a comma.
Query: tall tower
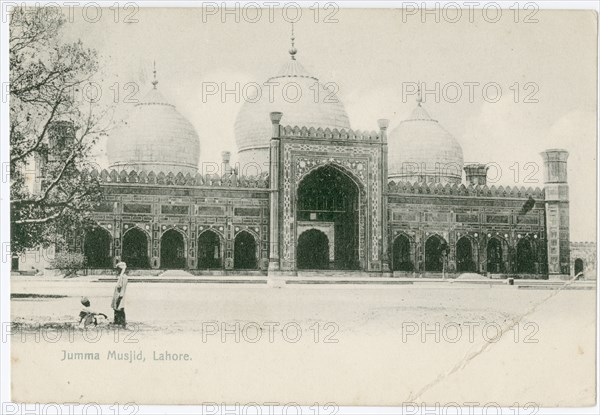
[[557, 211]]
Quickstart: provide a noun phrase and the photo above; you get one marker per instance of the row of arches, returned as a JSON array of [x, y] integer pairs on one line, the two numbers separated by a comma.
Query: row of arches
[[466, 255], [173, 255]]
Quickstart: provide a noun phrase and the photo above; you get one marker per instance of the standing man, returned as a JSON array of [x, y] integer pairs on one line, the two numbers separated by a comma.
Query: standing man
[[118, 301]]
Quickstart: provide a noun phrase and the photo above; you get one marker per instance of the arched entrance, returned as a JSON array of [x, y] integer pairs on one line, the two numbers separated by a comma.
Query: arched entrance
[[209, 250], [401, 258], [464, 255], [327, 194], [313, 250], [578, 265], [96, 248], [172, 250], [525, 257], [494, 256], [244, 255], [435, 248], [135, 249]]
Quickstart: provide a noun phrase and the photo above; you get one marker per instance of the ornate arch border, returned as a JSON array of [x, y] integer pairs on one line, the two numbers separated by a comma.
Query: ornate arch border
[[362, 163]]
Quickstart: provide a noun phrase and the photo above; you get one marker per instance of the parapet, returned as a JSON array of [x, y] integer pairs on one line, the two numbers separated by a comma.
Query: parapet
[[462, 190], [179, 179], [328, 134]]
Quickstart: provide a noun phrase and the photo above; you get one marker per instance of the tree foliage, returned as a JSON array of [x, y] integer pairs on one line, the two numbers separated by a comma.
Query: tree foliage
[[69, 263], [52, 129]]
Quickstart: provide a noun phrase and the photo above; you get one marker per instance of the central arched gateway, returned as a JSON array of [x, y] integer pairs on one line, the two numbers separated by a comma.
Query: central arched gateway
[[328, 194], [313, 250]]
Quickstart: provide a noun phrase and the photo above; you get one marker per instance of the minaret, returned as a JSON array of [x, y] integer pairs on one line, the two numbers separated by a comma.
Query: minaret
[[557, 212]]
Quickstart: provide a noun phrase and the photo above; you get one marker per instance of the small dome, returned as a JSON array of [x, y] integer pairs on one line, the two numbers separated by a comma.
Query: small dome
[[302, 99], [421, 150], [154, 137]]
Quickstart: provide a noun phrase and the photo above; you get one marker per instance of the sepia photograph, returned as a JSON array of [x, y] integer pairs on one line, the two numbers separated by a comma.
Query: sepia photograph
[[299, 207]]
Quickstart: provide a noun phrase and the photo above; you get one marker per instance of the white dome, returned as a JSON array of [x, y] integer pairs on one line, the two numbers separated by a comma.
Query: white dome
[[302, 99], [155, 137], [421, 150]]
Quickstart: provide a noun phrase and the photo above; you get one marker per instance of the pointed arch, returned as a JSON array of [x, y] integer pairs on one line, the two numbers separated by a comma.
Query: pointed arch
[[329, 192], [136, 248], [403, 253], [497, 254], [210, 249], [579, 265], [173, 249], [335, 165], [465, 255], [97, 247], [313, 250], [245, 250], [435, 249], [526, 256]]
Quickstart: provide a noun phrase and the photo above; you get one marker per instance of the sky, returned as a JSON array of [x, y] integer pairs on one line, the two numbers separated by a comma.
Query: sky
[[546, 72]]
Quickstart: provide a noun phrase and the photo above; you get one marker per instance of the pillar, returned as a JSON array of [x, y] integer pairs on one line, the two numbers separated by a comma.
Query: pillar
[[557, 212], [274, 222], [385, 240]]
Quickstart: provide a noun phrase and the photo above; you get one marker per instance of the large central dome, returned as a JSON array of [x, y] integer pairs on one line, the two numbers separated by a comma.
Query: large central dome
[[302, 99], [155, 137]]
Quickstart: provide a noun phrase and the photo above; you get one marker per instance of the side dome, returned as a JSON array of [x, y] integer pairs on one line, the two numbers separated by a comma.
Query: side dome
[[154, 137], [304, 102], [421, 150]]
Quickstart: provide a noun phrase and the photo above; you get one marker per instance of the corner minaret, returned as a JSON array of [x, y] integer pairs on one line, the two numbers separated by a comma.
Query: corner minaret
[[557, 211]]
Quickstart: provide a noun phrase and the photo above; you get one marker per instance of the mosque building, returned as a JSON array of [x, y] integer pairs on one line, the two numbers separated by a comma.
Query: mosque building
[[321, 196]]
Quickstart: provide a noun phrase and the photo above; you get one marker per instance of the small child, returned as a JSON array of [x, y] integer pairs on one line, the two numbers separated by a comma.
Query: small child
[[86, 315]]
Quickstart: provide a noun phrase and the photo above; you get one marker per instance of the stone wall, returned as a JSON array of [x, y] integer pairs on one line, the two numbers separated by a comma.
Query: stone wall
[[478, 213], [156, 203]]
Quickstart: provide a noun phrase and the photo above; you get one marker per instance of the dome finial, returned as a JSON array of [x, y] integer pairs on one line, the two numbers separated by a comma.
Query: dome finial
[[293, 50], [154, 82], [419, 96]]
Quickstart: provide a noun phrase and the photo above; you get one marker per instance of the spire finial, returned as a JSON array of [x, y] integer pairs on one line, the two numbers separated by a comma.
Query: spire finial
[[419, 97], [293, 50], [154, 82]]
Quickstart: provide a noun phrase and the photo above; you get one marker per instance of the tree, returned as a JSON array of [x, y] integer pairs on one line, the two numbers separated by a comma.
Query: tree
[[53, 126]]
